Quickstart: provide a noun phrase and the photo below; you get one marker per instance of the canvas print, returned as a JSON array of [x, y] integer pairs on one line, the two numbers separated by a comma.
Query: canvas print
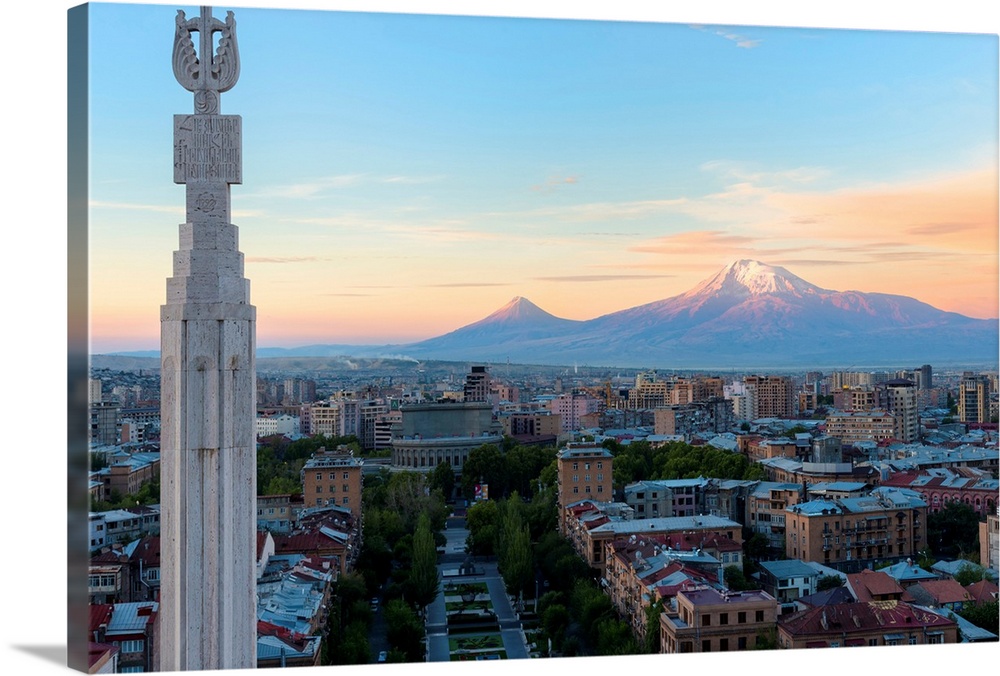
[[423, 338]]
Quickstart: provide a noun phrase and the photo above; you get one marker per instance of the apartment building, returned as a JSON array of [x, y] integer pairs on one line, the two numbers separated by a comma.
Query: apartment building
[[939, 486], [642, 570], [707, 620], [974, 398], [666, 497], [989, 541], [770, 396], [852, 533], [332, 478], [874, 425], [766, 506], [589, 525], [583, 471], [899, 397]]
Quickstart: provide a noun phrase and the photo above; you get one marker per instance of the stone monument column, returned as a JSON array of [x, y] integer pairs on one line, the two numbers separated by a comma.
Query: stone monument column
[[207, 614]]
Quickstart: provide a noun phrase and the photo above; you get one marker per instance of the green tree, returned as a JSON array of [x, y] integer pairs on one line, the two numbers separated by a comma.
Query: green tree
[[483, 522], [829, 582], [969, 573], [653, 611], [423, 578], [443, 478], [555, 620], [615, 637], [766, 640], [736, 580], [514, 562], [486, 465], [953, 531], [984, 615], [404, 629]]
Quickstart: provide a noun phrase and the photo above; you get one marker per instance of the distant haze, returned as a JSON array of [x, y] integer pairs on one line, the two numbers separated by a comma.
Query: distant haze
[[747, 315]]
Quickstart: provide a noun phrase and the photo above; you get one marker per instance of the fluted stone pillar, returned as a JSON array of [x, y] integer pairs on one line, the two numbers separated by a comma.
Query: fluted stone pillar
[[207, 617]]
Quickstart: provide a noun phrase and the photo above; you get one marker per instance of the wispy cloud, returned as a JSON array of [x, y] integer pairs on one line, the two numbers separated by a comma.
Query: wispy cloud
[[171, 209], [465, 285], [741, 41], [318, 187], [598, 278], [285, 259], [555, 183], [698, 242]]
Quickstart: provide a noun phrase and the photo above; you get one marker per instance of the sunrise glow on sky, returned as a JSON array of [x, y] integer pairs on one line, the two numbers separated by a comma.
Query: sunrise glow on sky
[[405, 175]]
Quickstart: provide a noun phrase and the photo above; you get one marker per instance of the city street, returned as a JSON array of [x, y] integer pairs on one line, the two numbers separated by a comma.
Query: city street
[[437, 620]]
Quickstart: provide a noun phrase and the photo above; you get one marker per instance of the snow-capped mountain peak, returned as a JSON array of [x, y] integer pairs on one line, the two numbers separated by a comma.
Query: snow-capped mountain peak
[[752, 278]]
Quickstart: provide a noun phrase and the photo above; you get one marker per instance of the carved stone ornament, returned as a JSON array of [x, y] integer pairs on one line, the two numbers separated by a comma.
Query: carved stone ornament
[[199, 70]]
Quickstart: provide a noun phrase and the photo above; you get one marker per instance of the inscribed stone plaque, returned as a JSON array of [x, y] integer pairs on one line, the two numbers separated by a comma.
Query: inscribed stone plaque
[[208, 148]]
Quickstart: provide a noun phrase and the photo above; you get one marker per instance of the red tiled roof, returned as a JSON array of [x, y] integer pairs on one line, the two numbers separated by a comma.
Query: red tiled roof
[[864, 617], [96, 651], [306, 543], [871, 583], [984, 590], [291, 638], [147, 551], [944, 591], [100, 614]]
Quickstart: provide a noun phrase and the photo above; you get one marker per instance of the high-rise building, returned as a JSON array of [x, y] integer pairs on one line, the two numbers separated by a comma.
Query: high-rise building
[[477, 385], [974, 398], [770, 396], [899, 397]]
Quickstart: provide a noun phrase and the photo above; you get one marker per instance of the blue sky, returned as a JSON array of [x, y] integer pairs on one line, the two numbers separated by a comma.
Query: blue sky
[[407, 174]]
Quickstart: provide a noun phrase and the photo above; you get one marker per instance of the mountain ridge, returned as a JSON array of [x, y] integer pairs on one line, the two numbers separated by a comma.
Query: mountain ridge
[[747, 315]]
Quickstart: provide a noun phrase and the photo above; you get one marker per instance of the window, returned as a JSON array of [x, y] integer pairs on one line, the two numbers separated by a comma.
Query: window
[[600, 489], [586, 465], [576, 465], [319, 489], [724, 618], [741, 617], [346, 475], [588, 489], [600, 465], [333, 489], [741, 643], [319, 476], [758, 616], [576, 477], [345, 500], [706, 646], [723, 644], [333, 475], [576, 489], [706, 620], [132, 646]]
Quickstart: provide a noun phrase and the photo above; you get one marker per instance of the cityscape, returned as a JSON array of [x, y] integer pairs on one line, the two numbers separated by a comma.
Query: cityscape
[[334, 454], [824, 505]]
